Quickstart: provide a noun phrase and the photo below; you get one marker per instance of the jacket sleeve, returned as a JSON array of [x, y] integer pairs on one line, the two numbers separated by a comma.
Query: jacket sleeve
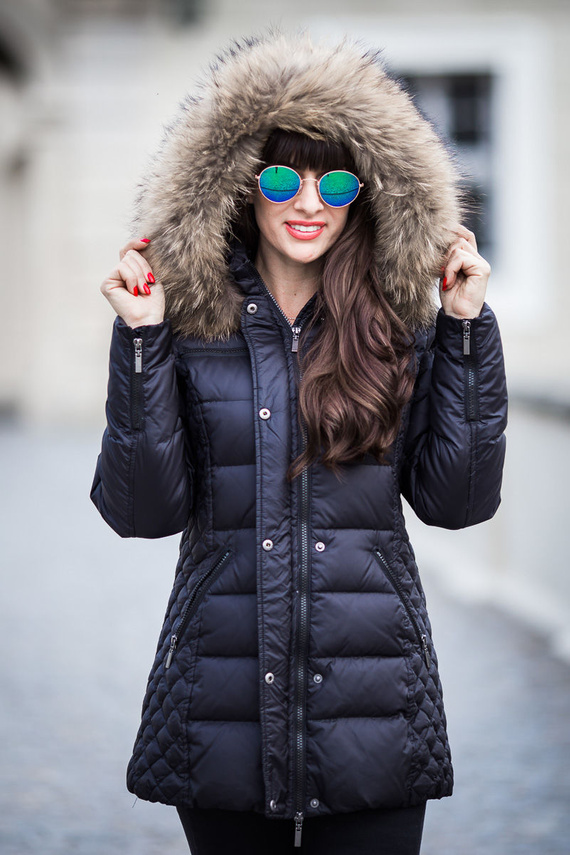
[[142, 485], [454, 445]]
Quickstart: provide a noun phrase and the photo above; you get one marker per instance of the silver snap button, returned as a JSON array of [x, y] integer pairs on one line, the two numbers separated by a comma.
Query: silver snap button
[[318, 678], [264, 413], [314, 802], [320, 546], [269, 677], [273, 804], [252, 308], [267, 544]]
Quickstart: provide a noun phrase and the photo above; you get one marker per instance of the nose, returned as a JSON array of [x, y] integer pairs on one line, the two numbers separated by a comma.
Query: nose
[[308, 199]]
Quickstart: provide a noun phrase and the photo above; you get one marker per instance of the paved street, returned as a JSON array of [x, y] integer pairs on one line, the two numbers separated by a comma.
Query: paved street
[[79, 616]]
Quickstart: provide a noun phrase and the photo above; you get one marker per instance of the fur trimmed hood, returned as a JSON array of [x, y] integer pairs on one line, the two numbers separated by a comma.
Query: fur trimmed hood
[[205, 165]]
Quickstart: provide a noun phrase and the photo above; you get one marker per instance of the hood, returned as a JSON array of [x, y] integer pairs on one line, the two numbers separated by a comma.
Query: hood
[[205, 165]]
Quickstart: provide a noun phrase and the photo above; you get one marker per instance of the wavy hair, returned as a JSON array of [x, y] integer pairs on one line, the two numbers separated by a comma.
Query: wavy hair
[[357, 373]]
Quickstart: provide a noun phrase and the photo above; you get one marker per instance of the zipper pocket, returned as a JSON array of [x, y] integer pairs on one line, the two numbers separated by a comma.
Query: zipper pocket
[[397, 585], [470, 363], [213, 351], [196, 596], [136, 385]]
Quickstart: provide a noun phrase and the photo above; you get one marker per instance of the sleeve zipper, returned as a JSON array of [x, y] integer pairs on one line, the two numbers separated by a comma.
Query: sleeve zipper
[[137, 385], [471, 397]]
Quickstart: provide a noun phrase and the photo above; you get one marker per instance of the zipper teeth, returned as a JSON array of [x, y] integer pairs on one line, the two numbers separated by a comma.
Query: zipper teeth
[[302, 645], [401, 593], [471, 388], [259, 279], [302, 631], [277, 304]]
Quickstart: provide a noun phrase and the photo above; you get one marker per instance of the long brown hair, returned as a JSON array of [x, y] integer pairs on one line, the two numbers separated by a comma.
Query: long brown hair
[[356, 374]]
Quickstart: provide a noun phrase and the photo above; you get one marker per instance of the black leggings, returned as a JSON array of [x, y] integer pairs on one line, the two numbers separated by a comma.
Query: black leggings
[[363, 832]]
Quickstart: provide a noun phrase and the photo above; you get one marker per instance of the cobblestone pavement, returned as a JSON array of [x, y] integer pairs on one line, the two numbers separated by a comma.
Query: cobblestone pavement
[[79, 616]]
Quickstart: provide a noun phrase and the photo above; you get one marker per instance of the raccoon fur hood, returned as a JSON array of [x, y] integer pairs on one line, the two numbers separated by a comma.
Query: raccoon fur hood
[[206, 164]]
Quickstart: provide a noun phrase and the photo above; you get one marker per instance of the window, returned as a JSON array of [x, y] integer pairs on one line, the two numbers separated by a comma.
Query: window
[[460, 108]]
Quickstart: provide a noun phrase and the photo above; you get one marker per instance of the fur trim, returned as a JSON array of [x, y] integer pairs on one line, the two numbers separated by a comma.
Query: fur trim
[[206, 163]]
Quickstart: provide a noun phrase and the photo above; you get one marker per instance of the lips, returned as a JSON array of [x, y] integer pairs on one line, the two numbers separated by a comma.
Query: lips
[[304, 229]]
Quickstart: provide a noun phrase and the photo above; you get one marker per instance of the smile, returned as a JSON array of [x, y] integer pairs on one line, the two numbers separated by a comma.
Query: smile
[[304, 231]]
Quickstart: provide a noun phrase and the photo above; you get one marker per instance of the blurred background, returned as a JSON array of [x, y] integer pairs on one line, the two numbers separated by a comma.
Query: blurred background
[[86, 89]]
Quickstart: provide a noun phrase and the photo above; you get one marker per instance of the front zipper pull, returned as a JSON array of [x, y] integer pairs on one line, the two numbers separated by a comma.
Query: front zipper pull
[[138, 354], [298, 827], [466, 338], [426, 651], [171, 649], [295, 342]]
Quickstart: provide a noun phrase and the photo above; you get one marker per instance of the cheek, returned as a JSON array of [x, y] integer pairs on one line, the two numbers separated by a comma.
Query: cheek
[[262, 215], [340, 221]]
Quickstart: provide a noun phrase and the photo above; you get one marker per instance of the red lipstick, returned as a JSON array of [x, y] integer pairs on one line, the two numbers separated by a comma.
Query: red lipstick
[[308, 230]]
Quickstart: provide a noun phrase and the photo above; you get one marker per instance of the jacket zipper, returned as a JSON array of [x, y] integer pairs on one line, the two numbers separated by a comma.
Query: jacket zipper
[[136, 398], [191, 607], [296, 330], [471, 402], [421, 636], [302, 646], [302, 624]]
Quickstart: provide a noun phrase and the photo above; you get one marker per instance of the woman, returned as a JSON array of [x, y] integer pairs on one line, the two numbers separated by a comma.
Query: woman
[[278, 377]]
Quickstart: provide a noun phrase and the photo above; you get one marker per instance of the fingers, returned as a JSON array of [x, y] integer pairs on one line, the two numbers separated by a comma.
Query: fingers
[[467, 235], [465, 240], [457, 256], [460, 261], [136, 273], [135, 243], [133, 273], [464, 263]]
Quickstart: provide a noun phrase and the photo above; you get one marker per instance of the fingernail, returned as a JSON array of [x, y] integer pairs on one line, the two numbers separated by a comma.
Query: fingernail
[[136, 291], [146, 289], [151, 278], [145, 240], [444, 284]]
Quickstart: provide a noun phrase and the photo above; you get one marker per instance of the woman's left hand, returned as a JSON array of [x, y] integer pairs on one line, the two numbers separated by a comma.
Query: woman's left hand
[[464, 278]]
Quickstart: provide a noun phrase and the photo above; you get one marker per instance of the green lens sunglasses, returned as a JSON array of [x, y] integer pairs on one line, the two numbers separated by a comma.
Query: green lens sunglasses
[[281, 184]]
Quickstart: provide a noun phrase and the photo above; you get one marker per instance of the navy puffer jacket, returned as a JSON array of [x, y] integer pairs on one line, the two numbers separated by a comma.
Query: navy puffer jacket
[[295, 673]]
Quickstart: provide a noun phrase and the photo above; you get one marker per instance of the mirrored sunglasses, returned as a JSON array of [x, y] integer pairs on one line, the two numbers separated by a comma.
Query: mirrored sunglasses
[[281, 184]]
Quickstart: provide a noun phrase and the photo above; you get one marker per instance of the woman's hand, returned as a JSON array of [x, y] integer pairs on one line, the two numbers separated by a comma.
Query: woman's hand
[[131, 288], [464, 277]]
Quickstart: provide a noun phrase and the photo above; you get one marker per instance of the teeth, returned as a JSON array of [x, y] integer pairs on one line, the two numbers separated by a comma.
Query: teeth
[[305, 228]]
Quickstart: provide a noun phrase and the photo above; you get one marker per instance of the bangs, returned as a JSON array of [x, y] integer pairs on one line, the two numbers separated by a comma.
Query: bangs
[[290, 148]]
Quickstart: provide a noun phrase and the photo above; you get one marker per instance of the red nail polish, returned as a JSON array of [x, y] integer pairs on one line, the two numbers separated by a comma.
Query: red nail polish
[[136, 291], [151, 278], [146, 289], [145, 240], [444, 284]]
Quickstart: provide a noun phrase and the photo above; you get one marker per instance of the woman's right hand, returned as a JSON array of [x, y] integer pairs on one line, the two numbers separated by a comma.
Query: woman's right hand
[[131, 288]]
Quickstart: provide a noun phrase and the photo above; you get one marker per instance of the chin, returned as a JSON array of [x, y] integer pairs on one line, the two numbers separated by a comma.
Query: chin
[[305, 254]]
